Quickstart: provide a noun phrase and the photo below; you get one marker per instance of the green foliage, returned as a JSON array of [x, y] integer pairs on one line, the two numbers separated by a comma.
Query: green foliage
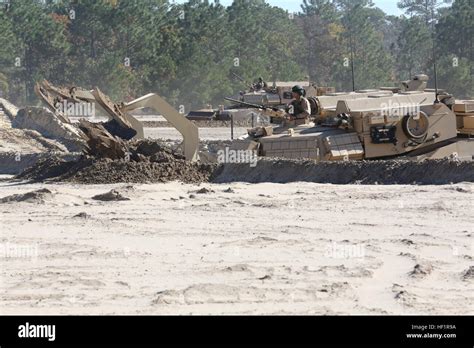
[[455, 76], [32, 47], [372, 63], [425, 9], [3, 85], [415, 47], [323, 52], [190, 52], [455, 34]]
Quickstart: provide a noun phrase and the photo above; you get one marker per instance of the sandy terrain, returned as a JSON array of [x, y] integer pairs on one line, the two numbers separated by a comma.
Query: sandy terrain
[[299, 248]]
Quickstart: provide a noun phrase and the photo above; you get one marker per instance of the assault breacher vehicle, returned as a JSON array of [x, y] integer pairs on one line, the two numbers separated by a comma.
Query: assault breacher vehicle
[[278, 95], [410, 120]]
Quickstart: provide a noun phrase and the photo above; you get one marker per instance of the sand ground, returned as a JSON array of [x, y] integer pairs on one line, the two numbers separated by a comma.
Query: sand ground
[[298, 248]]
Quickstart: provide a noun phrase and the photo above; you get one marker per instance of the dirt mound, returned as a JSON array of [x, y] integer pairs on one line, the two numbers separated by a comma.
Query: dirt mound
[[388, 172], [112, 195], [48, 124], [27, 141], [103, 172], [21, 148], [53, 167], [158, 161], [8, 108], [38, 196], [149, 161]]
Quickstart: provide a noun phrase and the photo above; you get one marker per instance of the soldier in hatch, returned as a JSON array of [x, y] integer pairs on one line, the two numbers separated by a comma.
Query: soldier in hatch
[[259, 85], [299, 109]]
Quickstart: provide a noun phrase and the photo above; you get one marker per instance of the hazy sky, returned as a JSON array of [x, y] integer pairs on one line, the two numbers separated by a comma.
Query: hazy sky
[[389, 6]]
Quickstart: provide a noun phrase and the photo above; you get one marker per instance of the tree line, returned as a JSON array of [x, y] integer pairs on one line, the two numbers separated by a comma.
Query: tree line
[[197, 52]]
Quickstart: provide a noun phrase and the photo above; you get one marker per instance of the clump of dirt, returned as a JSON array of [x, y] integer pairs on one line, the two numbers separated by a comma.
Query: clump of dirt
[[387, 172], [469, 274], [204, 190], [82, 215], [38, 196], [149, 161], [112, 195], [421, 270]]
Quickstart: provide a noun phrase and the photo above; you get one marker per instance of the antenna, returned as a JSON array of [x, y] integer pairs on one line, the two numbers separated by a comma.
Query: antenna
[[352, 47], [352, 64], [436, 101]]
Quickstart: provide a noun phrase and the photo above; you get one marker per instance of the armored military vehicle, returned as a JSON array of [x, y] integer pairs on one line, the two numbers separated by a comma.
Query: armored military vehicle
[[278, 95], [408, 120]]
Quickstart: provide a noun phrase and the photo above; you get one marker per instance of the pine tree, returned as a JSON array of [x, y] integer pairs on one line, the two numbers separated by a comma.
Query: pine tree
[[39, 44], [415, 48], [454, 42], [189, 52], [322, 30], [205, 55], [372, 64], [426, 9]]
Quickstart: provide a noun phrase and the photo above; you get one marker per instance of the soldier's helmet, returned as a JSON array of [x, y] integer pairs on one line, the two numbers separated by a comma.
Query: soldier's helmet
[[298, 89]]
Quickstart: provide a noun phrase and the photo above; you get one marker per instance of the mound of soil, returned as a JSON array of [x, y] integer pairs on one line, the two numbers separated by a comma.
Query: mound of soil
[[38, 196], [155, 161], [427, 172], [112, 195], [49, 126], [149, 161]]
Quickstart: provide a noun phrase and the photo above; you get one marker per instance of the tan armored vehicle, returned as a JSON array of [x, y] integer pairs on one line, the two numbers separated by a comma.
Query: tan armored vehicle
[[276, 96], [280, 93], [387, 122], [410, 120]]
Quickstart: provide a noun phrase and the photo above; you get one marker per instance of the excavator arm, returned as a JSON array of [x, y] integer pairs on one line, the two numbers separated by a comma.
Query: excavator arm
[[188, 130], [51, 95]]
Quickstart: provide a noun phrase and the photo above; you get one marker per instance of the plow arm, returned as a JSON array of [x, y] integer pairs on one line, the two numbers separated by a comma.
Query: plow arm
[[188, 130]]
